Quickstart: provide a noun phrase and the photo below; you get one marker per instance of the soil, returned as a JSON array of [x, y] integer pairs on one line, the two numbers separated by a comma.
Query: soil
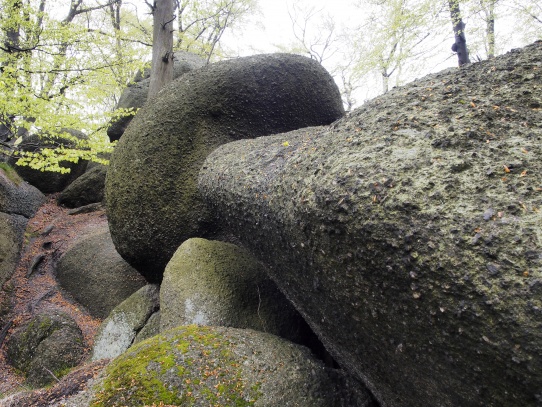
[[32, 290]]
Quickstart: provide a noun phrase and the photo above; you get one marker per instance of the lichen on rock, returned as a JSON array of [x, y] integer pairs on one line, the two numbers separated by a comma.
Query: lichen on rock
[[408, 233]]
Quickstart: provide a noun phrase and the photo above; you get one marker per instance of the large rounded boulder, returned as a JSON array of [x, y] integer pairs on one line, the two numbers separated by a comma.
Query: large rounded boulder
[[95, 275], [135, 95], [151, 187], [220, 284], [46, 347], [409, 233], [202, 366]]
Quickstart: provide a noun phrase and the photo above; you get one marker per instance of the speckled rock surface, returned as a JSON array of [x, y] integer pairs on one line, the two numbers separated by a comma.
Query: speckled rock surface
[[151, 187], [119, 330], [12, 229], [409, 233], [45, 347], [220, 284], [202, 366], [95, 275], [16, 196], [135, 95]]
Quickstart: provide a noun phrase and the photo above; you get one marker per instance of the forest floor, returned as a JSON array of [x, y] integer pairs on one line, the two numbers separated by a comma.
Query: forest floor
[[31, 290]]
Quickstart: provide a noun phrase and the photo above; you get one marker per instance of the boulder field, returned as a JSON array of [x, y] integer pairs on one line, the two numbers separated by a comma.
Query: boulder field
[[151, 190], [408, 234]]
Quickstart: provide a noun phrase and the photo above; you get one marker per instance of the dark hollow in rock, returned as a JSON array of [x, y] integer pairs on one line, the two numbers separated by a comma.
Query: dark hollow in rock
[[151, 187]]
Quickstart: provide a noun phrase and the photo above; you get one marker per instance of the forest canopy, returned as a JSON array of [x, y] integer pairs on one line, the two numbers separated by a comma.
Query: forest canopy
[[63, 65]]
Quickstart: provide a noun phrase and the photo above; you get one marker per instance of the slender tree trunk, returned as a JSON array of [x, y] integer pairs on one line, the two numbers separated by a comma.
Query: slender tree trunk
[[460, 45], [162, 46], [490, 29]]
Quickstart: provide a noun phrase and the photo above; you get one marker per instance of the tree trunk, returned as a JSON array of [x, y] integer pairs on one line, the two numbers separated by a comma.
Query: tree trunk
[[460, 45], [490, 29], [162, 46]]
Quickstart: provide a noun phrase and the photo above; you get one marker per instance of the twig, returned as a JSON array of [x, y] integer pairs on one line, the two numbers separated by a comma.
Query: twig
[[51, 373]]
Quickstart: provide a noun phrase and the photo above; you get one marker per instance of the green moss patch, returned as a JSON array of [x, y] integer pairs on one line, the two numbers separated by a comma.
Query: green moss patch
[[11, 173], [190, 366]]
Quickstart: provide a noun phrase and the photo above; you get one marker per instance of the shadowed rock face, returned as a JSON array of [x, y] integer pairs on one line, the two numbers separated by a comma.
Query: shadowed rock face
[[408, 234], [151, 186], [47, 181], [135, 95]]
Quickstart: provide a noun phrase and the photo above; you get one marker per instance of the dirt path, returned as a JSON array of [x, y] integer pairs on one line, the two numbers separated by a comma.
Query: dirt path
[[49, 234]]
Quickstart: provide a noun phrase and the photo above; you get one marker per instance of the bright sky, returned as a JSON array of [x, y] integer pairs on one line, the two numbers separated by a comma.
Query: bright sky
[[273, 25]]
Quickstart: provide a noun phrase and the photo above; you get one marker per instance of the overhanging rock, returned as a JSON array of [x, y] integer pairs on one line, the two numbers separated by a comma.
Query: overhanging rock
[[151, 187], [409, 233]]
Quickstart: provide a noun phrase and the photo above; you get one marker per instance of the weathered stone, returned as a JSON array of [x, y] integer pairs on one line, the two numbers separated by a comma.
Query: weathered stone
[[202, 366], [220, 284], [150, 329], [135, 95], [151, 186], [379, 230], [119, 329], [87, 189], [16, 196], [96, 276], [12, 229], [47, 181], [45, 347]]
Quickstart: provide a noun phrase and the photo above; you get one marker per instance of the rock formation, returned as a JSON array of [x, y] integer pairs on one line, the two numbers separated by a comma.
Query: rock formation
[[135, 95], [151, 187], [220, 284], [45, 347], [203, 366], [408, 234], [18, 202], [119, 330], [96, 276]]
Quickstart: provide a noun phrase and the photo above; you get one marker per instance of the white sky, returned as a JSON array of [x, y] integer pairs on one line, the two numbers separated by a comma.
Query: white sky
[[273, 24]]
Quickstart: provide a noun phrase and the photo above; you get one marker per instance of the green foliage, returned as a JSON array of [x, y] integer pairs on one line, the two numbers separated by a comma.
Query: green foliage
[[63, 69]]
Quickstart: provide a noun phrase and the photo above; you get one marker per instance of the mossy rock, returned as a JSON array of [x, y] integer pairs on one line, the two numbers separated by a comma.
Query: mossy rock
[[12, 228], [95, 275], [202, 366], [45, 347], [119, 330], [408, 234], [16, 196], [220, 284], [151, 188]]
